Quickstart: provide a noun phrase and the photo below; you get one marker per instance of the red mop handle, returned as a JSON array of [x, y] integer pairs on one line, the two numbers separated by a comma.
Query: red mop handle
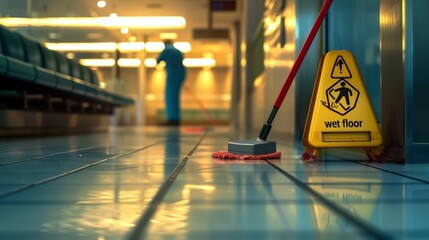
[[267, 126], [302, 53]]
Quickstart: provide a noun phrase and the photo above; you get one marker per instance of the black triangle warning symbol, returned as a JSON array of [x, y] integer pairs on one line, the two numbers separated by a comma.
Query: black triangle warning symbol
[[340, 69]]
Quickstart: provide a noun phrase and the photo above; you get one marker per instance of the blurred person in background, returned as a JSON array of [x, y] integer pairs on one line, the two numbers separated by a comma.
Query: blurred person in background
[[176, 74]]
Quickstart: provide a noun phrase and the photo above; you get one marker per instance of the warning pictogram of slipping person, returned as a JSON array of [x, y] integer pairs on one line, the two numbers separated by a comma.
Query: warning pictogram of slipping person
[[341, 97]]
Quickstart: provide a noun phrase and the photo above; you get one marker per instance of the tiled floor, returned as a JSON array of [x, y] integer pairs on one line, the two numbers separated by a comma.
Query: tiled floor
[[162, 183]]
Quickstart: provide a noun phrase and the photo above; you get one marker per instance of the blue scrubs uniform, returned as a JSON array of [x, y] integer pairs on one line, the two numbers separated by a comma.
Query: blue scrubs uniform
[[176, 74]]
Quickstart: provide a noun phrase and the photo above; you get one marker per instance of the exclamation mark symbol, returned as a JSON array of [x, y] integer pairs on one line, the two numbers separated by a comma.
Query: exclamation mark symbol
[[340, 64], [340, 68]]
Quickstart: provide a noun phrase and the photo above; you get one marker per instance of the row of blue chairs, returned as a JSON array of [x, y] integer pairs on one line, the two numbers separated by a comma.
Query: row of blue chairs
[[26, 61]]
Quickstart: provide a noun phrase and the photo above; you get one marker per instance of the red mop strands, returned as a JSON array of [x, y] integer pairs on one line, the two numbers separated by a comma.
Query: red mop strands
[[227, 155]]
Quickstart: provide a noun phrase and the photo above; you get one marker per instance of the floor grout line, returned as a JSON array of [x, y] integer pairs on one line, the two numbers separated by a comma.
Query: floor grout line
[[368, 229], [46, 180], [395, 173], [44, 156], [143, 222]]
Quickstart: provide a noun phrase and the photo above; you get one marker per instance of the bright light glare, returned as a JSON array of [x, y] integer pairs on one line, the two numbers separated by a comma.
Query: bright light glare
[[159, 46], [99, 46], [159, 22], [188, 62], [184, 47], [208, 55], [132, 39], [199, 62], [168, 35], [129, 62], [99, 62], [101, 4], [149, 62], [131, 46], [125, 30], [154, 46]]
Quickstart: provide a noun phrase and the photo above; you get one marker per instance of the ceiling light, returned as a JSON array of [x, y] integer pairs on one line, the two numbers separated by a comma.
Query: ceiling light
[[54, 35], [169, 22], [98, 62], [132, 39], [168, 35], [129, 62], [199, 62], [130, 46], [122, 62], [149, 62], [154, 46], [183, 46], [159, 46], [101, 4], [111, 46], [125, 30], [188, 62], [70, 55], [208, 55], [97, 47]]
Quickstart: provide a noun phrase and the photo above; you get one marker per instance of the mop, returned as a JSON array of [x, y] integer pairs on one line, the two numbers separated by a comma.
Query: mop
[[261, 148]]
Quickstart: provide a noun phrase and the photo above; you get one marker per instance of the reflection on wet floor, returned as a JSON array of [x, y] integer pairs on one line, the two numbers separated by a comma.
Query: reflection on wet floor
[[162, 183]]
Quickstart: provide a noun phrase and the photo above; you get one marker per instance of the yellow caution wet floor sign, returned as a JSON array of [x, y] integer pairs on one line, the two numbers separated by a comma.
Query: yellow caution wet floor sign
[[340, 113]]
